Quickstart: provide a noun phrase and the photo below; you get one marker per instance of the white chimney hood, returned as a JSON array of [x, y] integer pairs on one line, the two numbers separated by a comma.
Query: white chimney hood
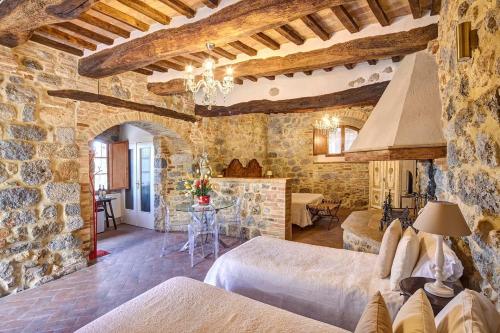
[[406, 122]]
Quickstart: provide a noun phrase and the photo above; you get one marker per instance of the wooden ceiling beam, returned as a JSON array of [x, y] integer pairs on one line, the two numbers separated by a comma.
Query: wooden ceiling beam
[[435, 7], [240, 19], [328, 69], [223, 53], [20, 18], [56, 45], [362, 96], [238, 80], [308, 73], [84, 96], [180, 7], [291, 34], [349, 66], [154, 67], [266, 41], [415, 8], [396, 58], [313, 22], [250, 78], [211, 3], [120, 16], [372, 62], [271, 78], [170, 64], [97, 22], [146, 10], [345, 18], [244, 48], [71, 39], [143, 71], [378, 12], [289, 74], [85, 32], [187, 61], [204, 55], [351, 52]]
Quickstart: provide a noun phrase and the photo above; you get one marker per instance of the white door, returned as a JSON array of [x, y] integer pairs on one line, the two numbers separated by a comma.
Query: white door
[[139, 198]]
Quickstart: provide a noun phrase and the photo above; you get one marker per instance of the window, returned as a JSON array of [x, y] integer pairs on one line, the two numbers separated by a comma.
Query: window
[[334, 143], [100, 164]]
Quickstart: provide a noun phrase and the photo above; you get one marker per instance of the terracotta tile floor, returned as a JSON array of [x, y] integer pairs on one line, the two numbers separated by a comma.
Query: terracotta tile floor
[[133, 267]]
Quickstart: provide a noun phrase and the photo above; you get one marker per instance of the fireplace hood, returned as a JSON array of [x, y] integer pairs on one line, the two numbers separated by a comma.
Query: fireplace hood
[[406, 122]]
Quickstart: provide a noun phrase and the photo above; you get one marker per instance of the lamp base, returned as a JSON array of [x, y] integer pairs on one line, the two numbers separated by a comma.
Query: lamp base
[[439, 289]]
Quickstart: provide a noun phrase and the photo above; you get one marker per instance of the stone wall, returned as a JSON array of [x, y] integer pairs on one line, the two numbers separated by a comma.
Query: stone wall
[[471, 117], [290, 154], [265, 205]]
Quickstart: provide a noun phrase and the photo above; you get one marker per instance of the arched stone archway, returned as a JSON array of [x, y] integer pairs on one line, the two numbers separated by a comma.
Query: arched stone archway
[[173, 159]]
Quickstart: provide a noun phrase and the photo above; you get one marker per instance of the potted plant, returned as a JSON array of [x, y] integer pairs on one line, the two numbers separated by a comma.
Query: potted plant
[[199, 187]]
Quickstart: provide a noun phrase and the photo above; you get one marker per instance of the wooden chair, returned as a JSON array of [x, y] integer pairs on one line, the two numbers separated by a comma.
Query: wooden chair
[[327, 208]]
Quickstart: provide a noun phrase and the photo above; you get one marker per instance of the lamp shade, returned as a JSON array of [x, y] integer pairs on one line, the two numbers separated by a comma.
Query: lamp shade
[[442, 218]]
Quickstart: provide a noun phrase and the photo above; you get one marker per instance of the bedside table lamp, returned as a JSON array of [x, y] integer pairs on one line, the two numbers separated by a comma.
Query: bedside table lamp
[[441, 218]]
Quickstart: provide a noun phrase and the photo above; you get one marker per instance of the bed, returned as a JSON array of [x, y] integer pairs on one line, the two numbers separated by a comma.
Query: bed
[[185, 305], [300, 215], [326, 284]]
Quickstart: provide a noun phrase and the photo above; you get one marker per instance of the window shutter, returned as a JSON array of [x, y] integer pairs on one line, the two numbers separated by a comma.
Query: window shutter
[[118, 165], [320, 143]]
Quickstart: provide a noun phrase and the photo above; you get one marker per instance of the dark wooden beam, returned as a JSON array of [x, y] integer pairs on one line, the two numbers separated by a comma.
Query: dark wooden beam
[[362, 96], [170, 64], [349, 66], [187, 61], [211, 3], [84, 96], [391, 154], [56, 45], [63, 36], [351, 52], [396, 58], [97, 22], [291, 34], [20, 18], [372, 62], [240, 19], [85, 32], [146, 10], [415, 8], [435, 7], [243, 48], [378, 12], [313, 22], [328, 69], [267, 41], [143, 71], [180, 7], [237, 80], [223, 53], [249, 77], [154, 67], [345, 18], [272, 78], [308, 73], [120, 16], [289, 74]]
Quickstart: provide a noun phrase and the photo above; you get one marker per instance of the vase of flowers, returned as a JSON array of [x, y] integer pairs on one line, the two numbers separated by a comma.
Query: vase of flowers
[[200, 188]]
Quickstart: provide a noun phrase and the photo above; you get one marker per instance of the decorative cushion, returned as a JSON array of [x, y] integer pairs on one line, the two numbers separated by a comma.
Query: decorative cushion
[[405, 258], [415, 315], [468, 312], [375, 317], [452, 268], [388, 249]]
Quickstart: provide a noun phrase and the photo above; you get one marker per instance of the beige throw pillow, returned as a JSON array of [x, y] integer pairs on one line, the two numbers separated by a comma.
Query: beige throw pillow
[[375, 317], [468, 312], [388, 249], [405, 258], [415, 315]]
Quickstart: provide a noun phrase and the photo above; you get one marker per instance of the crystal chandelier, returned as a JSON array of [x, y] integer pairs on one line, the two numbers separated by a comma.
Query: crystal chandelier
[[327, 124], [208, 83]]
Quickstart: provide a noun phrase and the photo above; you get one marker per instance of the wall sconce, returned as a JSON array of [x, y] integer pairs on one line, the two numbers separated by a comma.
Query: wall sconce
[[467, 41]]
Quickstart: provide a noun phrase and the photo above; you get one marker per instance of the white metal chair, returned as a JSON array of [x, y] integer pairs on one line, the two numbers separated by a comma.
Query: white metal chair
[[234, 220], [168, 239], [203, 226]]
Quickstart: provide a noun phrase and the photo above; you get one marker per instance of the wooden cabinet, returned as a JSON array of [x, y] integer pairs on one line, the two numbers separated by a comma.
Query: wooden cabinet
[[397, 176], [118, 165]]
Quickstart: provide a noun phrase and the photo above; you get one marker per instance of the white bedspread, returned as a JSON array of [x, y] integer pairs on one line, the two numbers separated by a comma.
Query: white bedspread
[[300, 214], [330, 285], [185, 305]]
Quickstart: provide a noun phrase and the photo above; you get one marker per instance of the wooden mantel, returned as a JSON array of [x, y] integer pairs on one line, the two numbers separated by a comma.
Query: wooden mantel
[[85, 96]]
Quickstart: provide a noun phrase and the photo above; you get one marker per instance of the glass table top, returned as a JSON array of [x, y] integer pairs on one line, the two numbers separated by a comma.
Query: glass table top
[[217, 205]]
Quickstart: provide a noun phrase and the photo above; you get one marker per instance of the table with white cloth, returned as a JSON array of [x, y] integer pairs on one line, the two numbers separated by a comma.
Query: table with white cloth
[[300, 214]]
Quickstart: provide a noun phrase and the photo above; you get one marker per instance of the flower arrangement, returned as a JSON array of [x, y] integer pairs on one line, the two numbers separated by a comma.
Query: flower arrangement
[[198, 187]]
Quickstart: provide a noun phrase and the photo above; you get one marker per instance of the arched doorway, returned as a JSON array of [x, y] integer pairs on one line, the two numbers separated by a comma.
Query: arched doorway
[[173, 158]]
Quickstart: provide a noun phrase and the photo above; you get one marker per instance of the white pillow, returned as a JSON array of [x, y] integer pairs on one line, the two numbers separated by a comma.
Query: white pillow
[[405, 258], [388, 247], [468, 312], [452, 268]]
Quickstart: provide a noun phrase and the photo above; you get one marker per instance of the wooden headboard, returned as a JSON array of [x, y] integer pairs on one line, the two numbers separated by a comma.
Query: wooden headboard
[[236, 169]]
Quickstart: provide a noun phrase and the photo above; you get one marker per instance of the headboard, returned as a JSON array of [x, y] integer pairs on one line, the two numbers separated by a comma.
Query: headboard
[[236, 169]]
